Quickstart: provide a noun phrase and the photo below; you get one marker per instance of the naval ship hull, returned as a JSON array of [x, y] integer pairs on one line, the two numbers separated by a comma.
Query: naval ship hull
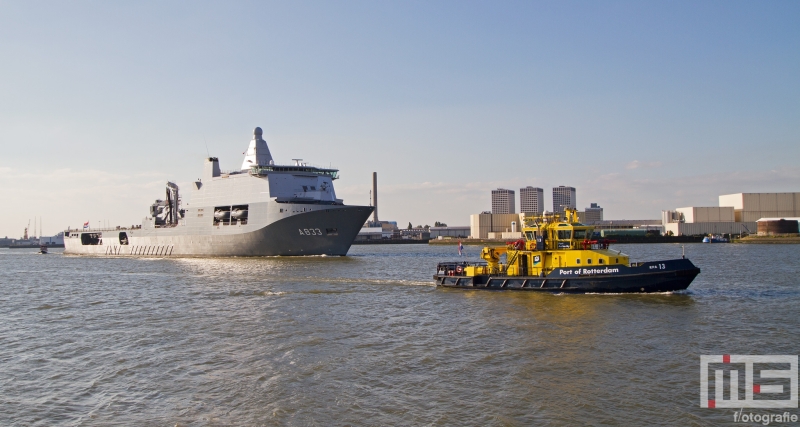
[[657, 276], [327, 230]]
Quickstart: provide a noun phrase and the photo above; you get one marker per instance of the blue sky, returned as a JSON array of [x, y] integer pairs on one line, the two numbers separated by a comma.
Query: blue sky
[[641, 106]]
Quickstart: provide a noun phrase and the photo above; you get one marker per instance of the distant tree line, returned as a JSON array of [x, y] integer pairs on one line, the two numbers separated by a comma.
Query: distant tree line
[[426, 226]]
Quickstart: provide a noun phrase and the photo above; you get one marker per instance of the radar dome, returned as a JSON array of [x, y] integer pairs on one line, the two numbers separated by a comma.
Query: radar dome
[[257, 153]]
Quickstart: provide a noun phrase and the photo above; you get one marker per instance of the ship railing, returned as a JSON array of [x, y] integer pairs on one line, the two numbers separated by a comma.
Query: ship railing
[[96, 229], [91, 230], [265, 170], [457, 268]]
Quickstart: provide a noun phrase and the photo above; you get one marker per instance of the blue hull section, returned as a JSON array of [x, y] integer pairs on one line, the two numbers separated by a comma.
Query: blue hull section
[[657, 276]]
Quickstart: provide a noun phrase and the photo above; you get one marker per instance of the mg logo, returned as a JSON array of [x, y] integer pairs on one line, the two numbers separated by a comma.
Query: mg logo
[[763, 388]]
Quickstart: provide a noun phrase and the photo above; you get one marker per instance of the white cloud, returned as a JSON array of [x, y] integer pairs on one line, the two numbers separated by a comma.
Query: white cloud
[[642, 165]]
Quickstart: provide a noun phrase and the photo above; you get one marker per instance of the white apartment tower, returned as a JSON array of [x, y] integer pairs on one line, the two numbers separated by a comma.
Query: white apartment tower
[[531, 200], [503, 201], [563, 197]]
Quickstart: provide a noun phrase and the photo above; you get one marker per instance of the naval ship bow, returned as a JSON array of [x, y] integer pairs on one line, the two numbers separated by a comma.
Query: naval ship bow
[[262, 209]]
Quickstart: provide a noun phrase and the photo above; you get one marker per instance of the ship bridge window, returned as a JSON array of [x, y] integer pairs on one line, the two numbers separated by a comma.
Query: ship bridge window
[[580, 234], [529, 235], [564, 234]]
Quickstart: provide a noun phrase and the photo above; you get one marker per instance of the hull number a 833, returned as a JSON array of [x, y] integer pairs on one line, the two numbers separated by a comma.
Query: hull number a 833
[[310, 232]]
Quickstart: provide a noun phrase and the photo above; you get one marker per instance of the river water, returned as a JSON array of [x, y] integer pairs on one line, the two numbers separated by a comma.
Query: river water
[[367, 340]]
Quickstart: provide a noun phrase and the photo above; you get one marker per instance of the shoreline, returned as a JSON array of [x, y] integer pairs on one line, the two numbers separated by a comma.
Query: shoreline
[[760, 240], [391, 242]]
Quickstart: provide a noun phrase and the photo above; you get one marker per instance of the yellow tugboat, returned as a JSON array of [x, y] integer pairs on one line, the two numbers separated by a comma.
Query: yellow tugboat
[[558, 254]]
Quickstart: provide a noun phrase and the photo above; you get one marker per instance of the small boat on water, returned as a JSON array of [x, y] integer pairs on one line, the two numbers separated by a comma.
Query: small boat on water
[[43, 250], [714, 238], [558, 254]]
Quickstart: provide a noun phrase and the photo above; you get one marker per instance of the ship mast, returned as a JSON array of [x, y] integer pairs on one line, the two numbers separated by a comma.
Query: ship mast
[[257, 153]]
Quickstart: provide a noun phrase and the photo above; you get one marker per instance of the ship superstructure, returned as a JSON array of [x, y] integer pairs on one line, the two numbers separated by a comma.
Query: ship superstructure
[[263, 209]]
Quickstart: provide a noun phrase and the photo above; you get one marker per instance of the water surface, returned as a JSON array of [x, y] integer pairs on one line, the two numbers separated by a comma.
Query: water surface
[[367, 340]]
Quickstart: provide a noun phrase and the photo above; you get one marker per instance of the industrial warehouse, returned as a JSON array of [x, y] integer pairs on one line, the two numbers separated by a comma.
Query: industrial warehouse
[[738, 213]]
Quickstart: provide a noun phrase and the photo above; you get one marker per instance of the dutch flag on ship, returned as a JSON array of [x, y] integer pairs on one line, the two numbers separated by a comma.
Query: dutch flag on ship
[[86, 224]]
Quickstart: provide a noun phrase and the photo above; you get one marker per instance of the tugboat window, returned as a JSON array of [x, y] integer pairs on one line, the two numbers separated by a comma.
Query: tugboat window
[[578, 261], [589, 261], [580, 234], [529, 235], [600, 261], [564, 234]]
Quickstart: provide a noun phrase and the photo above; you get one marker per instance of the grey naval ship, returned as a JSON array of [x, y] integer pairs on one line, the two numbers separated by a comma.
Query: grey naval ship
[[263, 209]]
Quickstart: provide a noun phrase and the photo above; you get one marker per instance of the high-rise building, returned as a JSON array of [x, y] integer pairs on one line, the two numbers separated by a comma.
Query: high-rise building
[[593, 213], [531, 200], [503, 201], [563, 197]]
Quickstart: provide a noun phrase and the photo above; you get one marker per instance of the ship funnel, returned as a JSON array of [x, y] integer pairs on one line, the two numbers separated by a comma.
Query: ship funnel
[[257, 153], [375, 196], [211, 168]]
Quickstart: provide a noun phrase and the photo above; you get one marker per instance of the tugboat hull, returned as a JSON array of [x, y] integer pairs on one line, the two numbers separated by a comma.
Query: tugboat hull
[[658, 276]]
